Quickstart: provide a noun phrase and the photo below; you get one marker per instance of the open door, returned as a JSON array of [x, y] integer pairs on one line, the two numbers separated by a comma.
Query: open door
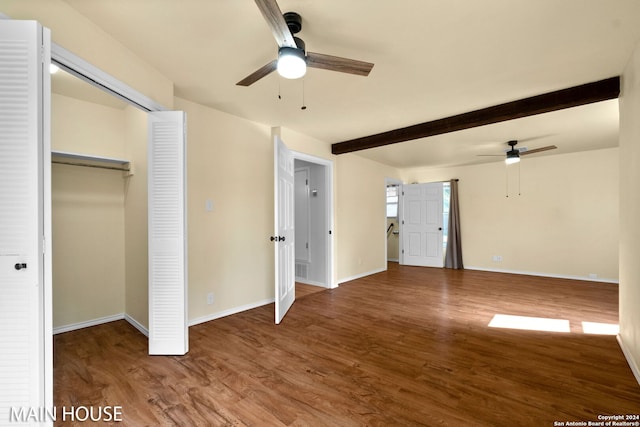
[[422, 225], [284, 237], [168, 328], [25, 222]]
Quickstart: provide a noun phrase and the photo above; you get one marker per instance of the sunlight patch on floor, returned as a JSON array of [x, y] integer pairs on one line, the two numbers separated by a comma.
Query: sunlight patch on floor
[[545, 324], [600, 328], [530, 323]]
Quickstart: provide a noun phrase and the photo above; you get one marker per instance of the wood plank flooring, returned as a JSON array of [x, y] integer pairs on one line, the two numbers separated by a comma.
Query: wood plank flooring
[[302, 290], [406, 347]]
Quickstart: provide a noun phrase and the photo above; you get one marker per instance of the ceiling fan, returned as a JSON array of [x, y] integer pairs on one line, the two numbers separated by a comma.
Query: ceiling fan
[[513, 154], [293, 59]]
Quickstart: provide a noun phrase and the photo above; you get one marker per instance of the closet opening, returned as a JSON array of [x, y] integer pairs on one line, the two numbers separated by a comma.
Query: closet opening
[[93, 136]]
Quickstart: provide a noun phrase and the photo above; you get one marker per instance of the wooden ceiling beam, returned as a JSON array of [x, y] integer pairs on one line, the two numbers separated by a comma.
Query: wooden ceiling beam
[[553, 101]]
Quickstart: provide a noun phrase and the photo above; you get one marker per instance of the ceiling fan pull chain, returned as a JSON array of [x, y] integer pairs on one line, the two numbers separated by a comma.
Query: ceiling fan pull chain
[[519, 178], [304, 107], [506, 180]]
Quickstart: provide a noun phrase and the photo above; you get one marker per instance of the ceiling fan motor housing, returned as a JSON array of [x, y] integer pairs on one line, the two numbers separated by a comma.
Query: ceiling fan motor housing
[[294, 22]]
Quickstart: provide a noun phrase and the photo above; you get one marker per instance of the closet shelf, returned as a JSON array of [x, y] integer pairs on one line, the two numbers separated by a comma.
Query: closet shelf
[[87, 160]]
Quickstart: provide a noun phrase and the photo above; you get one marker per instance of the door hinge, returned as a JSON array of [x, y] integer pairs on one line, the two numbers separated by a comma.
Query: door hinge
[[307, 245], [306, 182], [403, 222], [403, 251]]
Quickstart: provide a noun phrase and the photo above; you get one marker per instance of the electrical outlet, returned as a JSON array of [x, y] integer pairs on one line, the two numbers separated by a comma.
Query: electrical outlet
[[210, 298], [497, 258]]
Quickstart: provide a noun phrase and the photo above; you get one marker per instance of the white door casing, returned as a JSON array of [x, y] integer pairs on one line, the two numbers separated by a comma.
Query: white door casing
[[283, 240], [422, 225], [168, 327], [25, 221]]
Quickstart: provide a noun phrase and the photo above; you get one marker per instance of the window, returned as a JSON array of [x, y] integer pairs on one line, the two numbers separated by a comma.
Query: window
[[392, 201]]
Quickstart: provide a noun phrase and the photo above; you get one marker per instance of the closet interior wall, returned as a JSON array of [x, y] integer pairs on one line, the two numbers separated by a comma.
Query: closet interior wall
[[88, 214]]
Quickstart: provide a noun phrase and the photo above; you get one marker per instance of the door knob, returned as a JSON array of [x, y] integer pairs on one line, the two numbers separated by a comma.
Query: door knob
[[273, 238], [280, 238], [20, 266]]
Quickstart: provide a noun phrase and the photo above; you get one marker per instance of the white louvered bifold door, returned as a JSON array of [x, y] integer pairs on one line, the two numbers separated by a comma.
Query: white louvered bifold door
[[23, 55], [168, 332]]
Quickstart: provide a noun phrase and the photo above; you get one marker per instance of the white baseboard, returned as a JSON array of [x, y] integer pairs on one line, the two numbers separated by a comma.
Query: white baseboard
[[630, 360], [393, 260], [88, 323], [145, 331], [230, 311], [311, 282], [360, 276], [533, 273], [136, 325]]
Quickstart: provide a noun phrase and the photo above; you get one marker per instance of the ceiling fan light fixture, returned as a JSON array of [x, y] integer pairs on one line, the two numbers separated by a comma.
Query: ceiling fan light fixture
[[512, 157], [292, 63]]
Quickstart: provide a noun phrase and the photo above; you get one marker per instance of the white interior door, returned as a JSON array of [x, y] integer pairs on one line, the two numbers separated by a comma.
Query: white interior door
[[25, 285], [422, 225], [168, 329], [284, 229]]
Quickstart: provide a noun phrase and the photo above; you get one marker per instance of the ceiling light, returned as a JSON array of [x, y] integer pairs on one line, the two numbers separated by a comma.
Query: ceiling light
[[512, 157], [53, 68], [292, 63]]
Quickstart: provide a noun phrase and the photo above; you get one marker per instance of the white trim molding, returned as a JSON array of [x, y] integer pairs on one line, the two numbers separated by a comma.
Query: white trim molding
[[88, 323], [229, 312], [533, 273], [88, 72], [133, 322], [630, 360], [360, 276], [312, 283], [100, 321]]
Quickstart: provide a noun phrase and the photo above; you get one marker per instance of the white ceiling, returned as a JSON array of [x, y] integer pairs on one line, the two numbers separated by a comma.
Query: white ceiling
[[432, 58]]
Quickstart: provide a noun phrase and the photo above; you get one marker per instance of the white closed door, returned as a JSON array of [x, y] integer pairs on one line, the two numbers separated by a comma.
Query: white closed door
[[284, 236], [25, 285], [422, 225]]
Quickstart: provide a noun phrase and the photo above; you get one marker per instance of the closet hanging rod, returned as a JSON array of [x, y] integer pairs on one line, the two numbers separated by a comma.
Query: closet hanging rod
[[87, 165]]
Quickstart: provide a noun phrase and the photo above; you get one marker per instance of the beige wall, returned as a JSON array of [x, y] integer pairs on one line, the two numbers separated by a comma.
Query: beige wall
[[564, 223], [361, 215], [88, 214], [630, 211], [88, 244], [230, 162]]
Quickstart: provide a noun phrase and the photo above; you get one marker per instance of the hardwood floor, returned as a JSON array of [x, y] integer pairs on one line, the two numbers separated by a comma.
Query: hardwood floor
[[406, 347], [302, 290]]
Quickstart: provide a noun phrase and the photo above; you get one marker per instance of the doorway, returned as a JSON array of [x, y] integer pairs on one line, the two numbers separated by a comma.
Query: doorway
[[393, 189], [313, 221]]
